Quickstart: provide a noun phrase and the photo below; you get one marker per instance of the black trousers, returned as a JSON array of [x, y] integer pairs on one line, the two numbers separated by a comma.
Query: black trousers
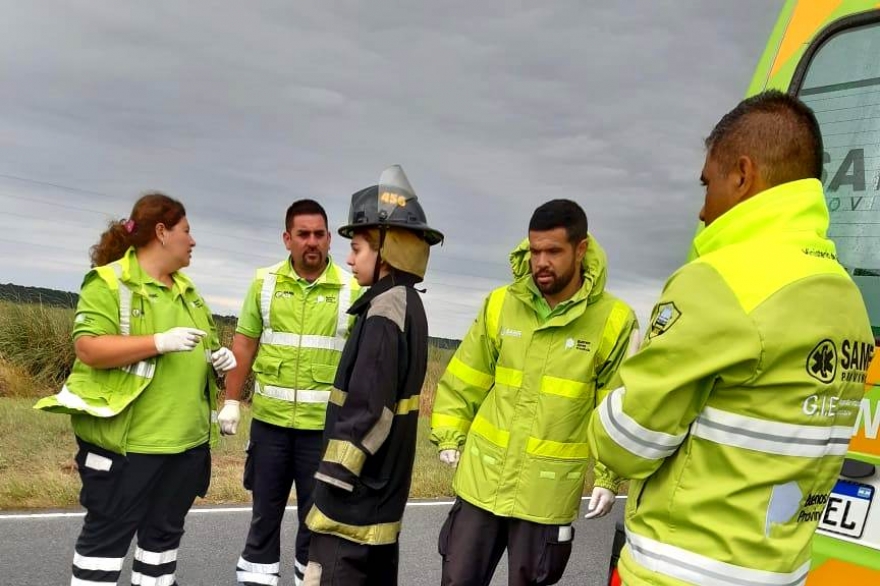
[[278, 458], [472, 541], [334, 561], [144, 494]]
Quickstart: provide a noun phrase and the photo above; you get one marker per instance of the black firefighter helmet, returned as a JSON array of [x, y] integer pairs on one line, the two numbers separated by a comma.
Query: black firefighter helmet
[[393, 202]]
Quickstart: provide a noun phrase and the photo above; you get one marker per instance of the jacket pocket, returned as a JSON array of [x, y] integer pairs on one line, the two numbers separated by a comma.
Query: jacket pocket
[[323, 374], [636, 490], [270, 366], [551, 488], [555, 554], [479, 470], [100, 471]]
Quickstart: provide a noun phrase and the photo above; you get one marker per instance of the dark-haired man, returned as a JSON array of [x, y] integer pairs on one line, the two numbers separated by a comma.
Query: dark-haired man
[[512, 409], [717, 418], [292, 329]]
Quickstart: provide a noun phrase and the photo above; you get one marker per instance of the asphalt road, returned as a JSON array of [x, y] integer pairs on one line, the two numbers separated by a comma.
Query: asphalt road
[[36, 550]]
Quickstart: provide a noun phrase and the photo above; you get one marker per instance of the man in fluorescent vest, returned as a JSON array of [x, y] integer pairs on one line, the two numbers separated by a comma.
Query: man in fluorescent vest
[[514, 404], [715, 418], [292, 329]]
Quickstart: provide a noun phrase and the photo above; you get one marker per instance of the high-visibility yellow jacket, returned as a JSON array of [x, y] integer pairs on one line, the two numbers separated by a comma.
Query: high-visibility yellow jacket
[[519, 392], [735, 416]]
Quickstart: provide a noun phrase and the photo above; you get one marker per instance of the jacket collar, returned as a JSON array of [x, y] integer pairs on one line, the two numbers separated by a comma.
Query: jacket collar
[[794, 211], [595, 272], [396, 278], [135, 278]]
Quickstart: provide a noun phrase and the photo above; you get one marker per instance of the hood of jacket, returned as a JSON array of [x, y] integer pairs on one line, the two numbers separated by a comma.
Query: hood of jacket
[[594, 271]]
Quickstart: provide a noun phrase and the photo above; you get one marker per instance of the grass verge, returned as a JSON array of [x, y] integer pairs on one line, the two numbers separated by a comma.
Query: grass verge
[[37, 468]]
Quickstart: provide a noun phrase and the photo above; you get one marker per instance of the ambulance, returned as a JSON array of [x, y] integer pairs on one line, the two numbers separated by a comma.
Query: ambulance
[[827, 52]]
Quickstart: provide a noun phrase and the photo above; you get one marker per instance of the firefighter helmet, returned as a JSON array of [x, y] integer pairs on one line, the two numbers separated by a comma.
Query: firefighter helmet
[[391, 203]]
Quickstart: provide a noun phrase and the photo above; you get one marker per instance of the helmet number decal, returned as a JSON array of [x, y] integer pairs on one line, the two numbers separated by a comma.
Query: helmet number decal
[[392, 198]]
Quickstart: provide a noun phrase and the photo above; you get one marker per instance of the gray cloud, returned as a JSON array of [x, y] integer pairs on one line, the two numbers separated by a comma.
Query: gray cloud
[[491, 110]]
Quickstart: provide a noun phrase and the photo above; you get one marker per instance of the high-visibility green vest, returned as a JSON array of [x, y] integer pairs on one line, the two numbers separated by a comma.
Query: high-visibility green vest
[[519, 392], [97, 398], [303, 334]]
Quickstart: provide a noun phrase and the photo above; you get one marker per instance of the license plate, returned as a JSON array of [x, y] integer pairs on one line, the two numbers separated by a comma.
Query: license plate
[[847, 509]]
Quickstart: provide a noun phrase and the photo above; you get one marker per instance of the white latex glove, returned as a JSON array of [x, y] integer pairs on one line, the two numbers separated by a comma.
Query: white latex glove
[[178, 340], [229, 417], [450, 457], [223, 360], [601, 502]]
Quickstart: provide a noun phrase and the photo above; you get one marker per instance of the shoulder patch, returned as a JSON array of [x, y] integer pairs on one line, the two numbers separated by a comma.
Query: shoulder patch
[[665, 315], [391, 305], [822, 362]]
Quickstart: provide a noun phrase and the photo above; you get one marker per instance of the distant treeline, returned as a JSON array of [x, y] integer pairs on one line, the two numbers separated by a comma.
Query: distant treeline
[[66, 299], [53, 297]]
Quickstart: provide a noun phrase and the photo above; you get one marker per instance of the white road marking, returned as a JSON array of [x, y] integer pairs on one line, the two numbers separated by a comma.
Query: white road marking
[[209, 510]]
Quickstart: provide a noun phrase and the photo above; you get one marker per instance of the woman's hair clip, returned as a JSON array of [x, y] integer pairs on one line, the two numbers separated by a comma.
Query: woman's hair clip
[[128, 225]]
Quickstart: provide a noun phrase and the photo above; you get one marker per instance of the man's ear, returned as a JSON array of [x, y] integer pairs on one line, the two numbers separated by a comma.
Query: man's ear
[[749, 179], [581, 249]]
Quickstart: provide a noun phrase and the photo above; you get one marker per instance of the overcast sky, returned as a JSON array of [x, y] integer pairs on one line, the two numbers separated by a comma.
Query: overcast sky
[[491, 109]]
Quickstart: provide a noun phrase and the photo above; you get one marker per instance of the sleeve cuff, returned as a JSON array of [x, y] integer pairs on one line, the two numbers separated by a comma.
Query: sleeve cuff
[[612, 485], [605, 478], [448, 445], [447, 439]]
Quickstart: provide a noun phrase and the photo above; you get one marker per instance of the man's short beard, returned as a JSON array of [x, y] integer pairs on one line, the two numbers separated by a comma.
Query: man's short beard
[[308, 265], [559, 283]]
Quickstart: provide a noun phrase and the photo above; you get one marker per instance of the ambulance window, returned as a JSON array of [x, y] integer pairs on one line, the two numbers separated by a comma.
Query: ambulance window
[[841, 84]]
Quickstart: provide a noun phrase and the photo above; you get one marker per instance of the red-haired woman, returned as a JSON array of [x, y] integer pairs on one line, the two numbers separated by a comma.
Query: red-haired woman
[[142, 395]]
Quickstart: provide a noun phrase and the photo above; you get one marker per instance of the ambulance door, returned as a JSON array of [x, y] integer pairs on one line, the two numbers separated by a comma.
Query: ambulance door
[[838, 76]]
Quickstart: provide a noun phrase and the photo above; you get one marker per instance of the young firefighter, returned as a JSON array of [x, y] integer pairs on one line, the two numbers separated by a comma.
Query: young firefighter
[[372, 419]]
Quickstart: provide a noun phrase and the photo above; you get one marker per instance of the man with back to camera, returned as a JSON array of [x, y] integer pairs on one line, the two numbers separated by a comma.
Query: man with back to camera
[[715, 418]]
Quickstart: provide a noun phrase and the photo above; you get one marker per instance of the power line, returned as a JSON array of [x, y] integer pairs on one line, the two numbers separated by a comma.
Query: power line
[[202, 246], [430, 282], [36, 244], [56, 185], [53, 204], [110, 215], [101, 212]]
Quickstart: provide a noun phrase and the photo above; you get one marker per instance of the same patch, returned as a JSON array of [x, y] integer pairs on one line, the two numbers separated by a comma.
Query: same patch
[[665, 315]]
